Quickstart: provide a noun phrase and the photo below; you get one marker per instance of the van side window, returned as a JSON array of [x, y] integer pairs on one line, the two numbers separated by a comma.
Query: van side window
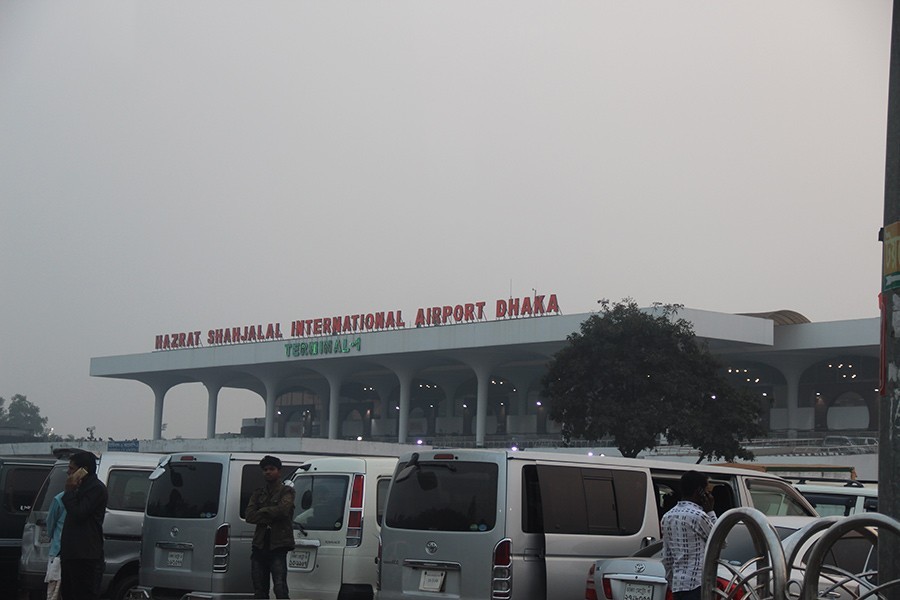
[[831, 504], [870, 504], [775, 499], [595, 502], [321, 501], [128, 489], [252, 479], [381, 492], [20, 488]]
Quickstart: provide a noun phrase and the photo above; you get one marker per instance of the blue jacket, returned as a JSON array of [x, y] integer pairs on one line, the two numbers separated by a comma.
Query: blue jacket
[[55, 519]]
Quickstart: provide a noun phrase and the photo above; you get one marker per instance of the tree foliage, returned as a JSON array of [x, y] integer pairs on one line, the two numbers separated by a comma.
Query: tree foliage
[[637, 374], [22, 414]]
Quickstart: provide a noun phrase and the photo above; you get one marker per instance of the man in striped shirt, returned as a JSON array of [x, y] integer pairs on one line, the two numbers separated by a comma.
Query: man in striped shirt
[[685, 530]]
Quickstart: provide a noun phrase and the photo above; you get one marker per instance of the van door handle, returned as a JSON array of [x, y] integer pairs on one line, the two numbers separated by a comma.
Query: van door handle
[[308, 543]]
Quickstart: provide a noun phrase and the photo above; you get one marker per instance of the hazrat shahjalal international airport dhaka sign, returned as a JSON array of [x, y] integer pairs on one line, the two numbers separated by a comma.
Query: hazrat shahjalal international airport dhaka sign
[[538, 305]]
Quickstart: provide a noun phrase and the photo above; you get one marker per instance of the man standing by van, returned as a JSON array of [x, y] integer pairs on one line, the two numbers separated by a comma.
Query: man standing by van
[[81, 543], [271, 508], [685, 530]]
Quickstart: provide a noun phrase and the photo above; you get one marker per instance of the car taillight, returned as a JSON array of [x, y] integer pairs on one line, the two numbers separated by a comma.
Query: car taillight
[[669, 595], [355, 516], [607, 588], [501, 571], [730, 589], [222, 549], [590, 592]]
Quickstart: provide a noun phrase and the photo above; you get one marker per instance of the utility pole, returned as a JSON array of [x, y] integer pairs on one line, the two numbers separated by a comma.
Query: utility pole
[[889, 405]]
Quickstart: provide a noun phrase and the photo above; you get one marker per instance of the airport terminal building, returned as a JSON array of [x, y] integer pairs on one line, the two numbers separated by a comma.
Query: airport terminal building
[[471, 373]]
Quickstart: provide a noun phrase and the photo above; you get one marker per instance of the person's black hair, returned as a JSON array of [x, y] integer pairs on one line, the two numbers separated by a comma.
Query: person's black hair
[[85, 460], [691, 481], [268, 460]]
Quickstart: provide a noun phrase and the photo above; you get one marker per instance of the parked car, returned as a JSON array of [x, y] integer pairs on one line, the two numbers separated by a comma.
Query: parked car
[[839, 497], [21, 478], [126, 477], [843, 445], [738, 563]]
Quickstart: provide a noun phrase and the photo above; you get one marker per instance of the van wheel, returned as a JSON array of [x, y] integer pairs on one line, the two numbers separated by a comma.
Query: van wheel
[[123, 586]]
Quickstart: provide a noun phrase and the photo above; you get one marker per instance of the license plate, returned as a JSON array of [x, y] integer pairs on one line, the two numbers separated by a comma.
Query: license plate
[[298, 559], [432, 581], [637, 591], [175, 559]]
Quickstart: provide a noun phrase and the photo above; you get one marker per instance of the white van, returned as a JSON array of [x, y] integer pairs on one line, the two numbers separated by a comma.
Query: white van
[[839, 497], [196, 542], [126, 477], [337, 520], [477, 524]]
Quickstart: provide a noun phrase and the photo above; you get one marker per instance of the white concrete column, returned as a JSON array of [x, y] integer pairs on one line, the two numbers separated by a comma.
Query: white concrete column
[[483, 374], [271, 385], [212, 389], [159, 394], [334, 398], [792, 377], [405, 377]]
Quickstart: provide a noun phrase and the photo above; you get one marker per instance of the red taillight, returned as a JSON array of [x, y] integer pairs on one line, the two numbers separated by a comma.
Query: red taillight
[[590, 592], [354, 519], [503, 553], [607, 588], [222, 535], [669, 595], [356, 496], [730, 589], [501, 572], [222, 549], [355, 514]]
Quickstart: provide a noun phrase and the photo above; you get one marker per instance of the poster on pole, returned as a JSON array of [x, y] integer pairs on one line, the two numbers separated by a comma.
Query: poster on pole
[[891, 260]]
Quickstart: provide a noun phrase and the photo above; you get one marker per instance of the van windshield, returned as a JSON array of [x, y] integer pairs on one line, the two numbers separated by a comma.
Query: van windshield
[[444, 496], [187, 490]]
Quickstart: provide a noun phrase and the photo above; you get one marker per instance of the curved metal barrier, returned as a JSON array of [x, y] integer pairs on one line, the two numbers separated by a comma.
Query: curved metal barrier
[[857, 585], [761, 578], [767, 576]]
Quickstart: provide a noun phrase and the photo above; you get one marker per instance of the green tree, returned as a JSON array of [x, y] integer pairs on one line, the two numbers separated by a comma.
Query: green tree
[[22, 414], [633, 374], [718, 423]]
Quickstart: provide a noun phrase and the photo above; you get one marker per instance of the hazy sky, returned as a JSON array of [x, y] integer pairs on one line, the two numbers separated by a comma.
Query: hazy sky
[[171, 166]]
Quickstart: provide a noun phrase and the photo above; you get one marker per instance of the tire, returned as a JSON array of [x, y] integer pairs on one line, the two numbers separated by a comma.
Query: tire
[[123, 585]]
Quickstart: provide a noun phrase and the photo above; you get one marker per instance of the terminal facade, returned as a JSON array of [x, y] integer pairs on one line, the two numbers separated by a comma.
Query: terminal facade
[[454, 375]]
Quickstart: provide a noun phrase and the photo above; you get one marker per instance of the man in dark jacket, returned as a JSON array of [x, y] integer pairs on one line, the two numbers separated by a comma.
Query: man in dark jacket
[[271, 508], [81, 544]]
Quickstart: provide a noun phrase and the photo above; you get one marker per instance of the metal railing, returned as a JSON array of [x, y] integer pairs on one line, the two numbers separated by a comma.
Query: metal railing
[[797, 569]]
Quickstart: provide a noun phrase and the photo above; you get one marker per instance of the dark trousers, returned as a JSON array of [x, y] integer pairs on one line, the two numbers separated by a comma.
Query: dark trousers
[[265, 564], [80, 578], [693, 594]]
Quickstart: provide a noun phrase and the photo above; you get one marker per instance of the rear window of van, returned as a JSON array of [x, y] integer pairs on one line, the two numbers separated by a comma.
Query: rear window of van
[[444, 496], [186, 490]]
